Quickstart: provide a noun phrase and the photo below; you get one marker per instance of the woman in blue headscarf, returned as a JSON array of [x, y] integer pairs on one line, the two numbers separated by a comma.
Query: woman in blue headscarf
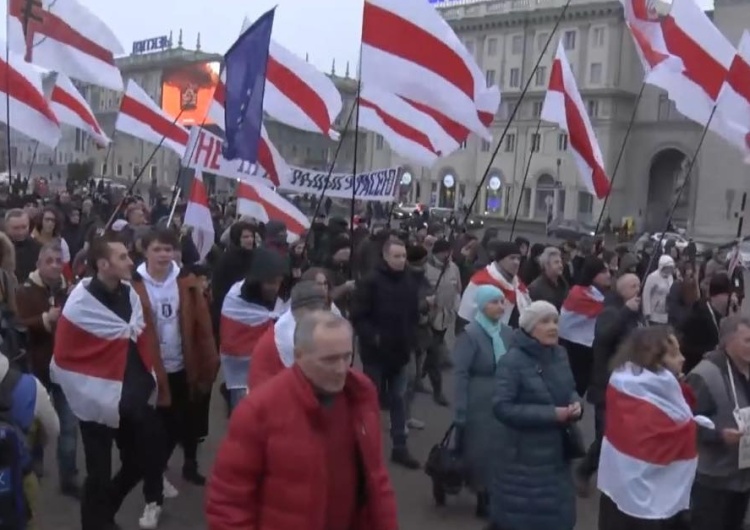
[[476, 353]]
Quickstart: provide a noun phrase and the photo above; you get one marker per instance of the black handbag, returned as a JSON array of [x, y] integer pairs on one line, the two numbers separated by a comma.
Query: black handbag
[[573, 446], [445, 467]]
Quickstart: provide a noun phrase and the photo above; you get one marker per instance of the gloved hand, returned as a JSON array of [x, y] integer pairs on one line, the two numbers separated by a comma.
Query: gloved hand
[[458, 439]]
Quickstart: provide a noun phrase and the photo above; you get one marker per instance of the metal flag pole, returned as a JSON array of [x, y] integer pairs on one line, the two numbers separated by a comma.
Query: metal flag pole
[[678, 196], [327, 183], [33, 159], [141, 171], [354, 168], [525, 178], [507, 127], [620, 156]]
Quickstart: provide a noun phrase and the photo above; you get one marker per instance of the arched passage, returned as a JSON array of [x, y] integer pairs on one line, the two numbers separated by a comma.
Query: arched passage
[[545, 195], [666, 176]]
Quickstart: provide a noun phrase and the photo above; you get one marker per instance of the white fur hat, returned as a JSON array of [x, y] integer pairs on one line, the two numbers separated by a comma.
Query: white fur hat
[[534, 313]]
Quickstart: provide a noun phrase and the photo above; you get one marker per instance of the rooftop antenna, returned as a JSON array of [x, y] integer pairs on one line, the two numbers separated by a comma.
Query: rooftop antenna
[[170, 38], [347, 69], [333, 67], [179, 39], [198, 44]]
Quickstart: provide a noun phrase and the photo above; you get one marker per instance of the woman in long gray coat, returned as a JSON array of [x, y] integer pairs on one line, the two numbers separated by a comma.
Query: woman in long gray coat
[[536, 405], [476, 353]]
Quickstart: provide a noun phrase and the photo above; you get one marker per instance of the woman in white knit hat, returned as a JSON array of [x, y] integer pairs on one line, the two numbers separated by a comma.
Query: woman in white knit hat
[[537, 407]]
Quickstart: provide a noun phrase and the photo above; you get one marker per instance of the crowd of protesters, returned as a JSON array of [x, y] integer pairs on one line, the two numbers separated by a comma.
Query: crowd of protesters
[[119, 332]]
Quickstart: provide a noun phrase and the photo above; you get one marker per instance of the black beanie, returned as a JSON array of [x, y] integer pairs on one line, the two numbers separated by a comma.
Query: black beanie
[[339, 243], [416, 253], [720, 284], [441, 245], [502, 249], [592, 267], [266, 265]]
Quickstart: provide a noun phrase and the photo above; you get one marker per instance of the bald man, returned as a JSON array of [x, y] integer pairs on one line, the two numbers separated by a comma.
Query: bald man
[[621, 314]]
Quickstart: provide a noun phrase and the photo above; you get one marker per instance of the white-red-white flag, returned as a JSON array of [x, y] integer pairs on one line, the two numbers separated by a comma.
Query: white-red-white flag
[[734, 101], [409, 50], [141, 117], [266, 205], [297, 94], [198, 215], [23, 106], [269, 158], [563, 105], [409, 131], [64, 36], [71, 108]]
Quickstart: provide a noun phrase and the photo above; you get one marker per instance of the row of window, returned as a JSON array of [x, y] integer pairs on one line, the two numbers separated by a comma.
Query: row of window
[[595, 76], [597, 39], [153, 171]]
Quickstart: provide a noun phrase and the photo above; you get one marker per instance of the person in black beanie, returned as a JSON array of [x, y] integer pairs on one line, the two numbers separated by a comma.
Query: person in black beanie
[[578, 317], [699, 332]]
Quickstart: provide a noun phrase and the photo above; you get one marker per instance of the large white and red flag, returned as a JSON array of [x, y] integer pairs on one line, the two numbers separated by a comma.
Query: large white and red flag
[[734, 100], [298, 94], [141, 117], [241, 326], [198, 216], [410, 132], [64, 36], [409, 50], [563, 105], [649, 452], [71, 108], [265, 205], [22, 101], [269, 158], [91, 352]]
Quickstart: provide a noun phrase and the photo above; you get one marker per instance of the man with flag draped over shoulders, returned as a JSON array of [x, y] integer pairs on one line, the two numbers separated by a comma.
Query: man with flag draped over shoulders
[[503, 274], [104, 362]]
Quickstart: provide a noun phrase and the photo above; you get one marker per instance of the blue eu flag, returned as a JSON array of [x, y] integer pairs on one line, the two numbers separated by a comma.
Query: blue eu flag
[[245, 66]]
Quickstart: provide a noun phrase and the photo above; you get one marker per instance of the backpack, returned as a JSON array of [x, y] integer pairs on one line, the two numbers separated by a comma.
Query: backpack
[[15, 460]]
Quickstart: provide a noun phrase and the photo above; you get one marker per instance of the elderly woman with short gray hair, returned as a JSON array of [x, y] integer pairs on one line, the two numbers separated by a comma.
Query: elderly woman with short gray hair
[[537, 406], [550, 286]]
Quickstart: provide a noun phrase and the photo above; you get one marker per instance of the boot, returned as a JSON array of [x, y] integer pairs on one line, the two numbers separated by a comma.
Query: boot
[[483, 505], [191, 474], [402, 457]]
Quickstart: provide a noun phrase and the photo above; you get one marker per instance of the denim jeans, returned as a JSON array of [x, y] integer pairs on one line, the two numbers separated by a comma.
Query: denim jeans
[[67, 443], [395, 383]]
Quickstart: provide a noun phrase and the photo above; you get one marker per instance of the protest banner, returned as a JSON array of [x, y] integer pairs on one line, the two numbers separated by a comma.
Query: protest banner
[[380, 185]]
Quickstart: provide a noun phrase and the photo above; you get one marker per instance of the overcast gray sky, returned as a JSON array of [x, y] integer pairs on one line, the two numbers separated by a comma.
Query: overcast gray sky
[[325, 29]]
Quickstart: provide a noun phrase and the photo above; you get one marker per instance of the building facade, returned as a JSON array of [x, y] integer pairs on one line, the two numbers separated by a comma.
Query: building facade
[[534, 170]]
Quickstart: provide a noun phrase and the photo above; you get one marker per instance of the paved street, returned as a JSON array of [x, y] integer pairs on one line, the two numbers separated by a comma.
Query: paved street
[[416, 508]]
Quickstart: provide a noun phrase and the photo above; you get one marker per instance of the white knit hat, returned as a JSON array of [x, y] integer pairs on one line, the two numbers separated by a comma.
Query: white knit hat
[[534, 313]]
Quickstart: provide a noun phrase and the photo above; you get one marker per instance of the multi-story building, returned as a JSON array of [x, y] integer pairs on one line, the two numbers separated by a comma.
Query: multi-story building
[[128, 155], [507, 38]]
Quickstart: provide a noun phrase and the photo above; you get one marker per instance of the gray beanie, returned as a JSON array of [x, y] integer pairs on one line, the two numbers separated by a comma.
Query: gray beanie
[[308, 295], [536, 312]]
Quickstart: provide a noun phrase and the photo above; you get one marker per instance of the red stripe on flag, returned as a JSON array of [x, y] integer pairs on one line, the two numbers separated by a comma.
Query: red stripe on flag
[[651, 56], [56, 28], [700, 66], [14, 83], [392, 34], [399, 127], [198, 193], [302, 94], [577, 132], [140, 112], [77, 350], [238, 339], [266, 161], [220, 94], [247, 192], [739, 77], [67, 100], [455, 130], [641, 430], [486, 118], [579, 301]]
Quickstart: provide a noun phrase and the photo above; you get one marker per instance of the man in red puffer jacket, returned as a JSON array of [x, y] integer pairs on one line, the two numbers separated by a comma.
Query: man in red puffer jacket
[[304, 451]]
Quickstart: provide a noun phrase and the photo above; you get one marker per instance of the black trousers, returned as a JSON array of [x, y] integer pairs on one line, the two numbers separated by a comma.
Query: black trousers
[[611, 518], [715, 509], [180, 418], [581, 361], [140, 441], [432, 360], [590, 463]]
